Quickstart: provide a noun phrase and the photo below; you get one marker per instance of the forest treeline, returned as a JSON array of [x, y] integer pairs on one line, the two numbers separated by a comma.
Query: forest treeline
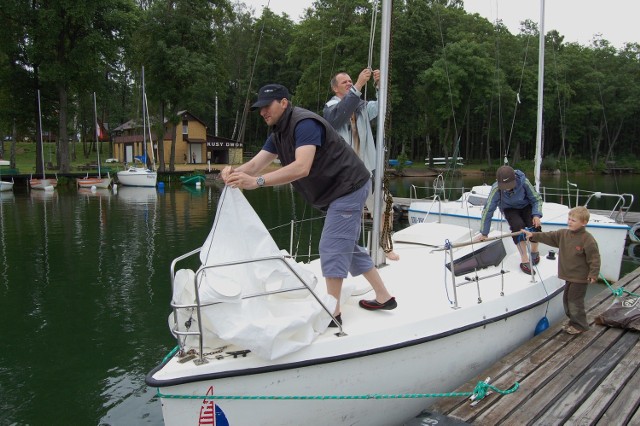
[[459, 84]]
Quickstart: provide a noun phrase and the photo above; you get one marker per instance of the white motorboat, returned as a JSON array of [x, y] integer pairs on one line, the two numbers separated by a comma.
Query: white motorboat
[[251, 323]]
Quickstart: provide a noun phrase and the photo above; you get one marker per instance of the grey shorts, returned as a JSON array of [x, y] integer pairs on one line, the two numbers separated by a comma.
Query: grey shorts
[[340, 253]]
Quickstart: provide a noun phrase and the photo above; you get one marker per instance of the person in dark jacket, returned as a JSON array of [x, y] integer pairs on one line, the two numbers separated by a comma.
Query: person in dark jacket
[[521, 206], [578, 264], [329, 175]]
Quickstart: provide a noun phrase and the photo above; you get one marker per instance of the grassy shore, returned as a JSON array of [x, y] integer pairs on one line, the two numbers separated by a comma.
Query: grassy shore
[[81, 161]]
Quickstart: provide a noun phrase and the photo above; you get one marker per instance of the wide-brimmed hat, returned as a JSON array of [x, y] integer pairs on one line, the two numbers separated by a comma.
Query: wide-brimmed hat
[[506, 177], [270, 93]]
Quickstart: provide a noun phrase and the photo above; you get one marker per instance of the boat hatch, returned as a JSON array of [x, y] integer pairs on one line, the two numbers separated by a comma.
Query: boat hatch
[[489, 255]]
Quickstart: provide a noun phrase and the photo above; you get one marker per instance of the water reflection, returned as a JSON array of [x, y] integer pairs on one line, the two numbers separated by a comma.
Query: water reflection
[[85, 286], [137, 195]]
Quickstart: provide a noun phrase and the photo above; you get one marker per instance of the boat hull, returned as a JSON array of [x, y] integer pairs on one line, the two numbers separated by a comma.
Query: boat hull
[[43, 184], [138, 177], [439, 363], [94, 181], [610, 236], [6, 186]]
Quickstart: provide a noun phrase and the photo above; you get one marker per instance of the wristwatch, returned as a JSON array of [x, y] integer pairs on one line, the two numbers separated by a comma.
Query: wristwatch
[[260, 181]]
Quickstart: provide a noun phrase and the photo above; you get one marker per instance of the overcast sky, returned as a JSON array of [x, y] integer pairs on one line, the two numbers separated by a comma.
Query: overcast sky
[[577, 20]]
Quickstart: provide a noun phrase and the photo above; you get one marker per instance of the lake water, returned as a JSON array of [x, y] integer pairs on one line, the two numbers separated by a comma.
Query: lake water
[[85, 291]]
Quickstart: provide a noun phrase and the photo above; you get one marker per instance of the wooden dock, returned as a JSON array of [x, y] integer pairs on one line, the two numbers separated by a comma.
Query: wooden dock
[[586, 379]]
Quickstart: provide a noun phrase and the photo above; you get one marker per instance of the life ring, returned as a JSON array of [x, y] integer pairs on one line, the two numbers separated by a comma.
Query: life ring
[[634, 233]]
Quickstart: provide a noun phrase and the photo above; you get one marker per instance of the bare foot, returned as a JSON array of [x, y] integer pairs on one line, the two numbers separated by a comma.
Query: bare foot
[[392, 255]]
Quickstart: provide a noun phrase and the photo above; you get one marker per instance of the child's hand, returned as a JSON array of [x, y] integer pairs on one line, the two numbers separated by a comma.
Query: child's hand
[[527, 233]]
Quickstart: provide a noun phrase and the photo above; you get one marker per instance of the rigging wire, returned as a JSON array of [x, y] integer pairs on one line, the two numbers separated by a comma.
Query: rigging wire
[[243, 122]]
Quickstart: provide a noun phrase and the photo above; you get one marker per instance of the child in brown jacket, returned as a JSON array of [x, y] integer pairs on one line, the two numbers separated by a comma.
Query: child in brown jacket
[[578, 264]]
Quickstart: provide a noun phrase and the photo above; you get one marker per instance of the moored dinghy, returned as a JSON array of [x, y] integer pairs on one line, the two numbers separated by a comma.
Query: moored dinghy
[[5, 185]]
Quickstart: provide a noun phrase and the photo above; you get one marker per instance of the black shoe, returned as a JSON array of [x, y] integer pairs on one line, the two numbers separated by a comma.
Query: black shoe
[[338, 318], [374, 305]]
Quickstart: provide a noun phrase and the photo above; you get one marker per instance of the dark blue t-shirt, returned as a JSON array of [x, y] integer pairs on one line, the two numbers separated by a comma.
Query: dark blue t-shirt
[[308, 132]]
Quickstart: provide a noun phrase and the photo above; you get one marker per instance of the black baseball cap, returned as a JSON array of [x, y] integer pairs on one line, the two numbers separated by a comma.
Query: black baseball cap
[[506, 177], [270, 93]]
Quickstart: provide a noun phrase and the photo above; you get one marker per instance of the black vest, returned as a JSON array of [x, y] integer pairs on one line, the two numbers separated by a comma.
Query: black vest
[[336, 170]]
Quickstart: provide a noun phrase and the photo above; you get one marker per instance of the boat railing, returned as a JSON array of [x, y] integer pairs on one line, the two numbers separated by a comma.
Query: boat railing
[[198, 305], [616, 206], [490, 254]]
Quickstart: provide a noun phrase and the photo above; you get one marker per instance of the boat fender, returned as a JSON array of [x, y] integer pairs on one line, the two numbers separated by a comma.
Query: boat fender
[[542, 325], [634, 233]]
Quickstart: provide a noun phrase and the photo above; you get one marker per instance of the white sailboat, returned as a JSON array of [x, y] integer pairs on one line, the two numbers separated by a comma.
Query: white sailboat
[[95, 181], [467, 211], [45, 184], [251, 325], [141, 175], [5, 185]]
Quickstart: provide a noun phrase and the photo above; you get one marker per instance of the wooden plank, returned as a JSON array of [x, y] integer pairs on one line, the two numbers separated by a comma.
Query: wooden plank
[[626, 405], [561, 378], [550, 363], [589, 379], [617, 387], [529, 403]]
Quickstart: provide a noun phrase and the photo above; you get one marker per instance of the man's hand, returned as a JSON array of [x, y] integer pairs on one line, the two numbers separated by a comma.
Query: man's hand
[[364, 76], [241, 180], [225, 173]]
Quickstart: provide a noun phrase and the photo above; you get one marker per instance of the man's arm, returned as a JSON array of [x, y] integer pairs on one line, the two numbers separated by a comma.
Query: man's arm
[[338, 112], [244, 176], [252, 167]]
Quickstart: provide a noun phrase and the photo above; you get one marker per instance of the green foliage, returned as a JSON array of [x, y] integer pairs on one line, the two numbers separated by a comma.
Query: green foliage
[[458, 85]]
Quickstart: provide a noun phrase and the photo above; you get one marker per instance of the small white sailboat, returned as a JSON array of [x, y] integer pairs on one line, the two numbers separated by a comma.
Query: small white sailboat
[[44, 183], [95, 181], [251, 323], [5, 185], [141, 175], [467, 211]]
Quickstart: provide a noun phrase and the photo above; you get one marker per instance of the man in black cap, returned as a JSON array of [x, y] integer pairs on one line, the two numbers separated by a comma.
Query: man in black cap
[[520, 204], [329, 175]]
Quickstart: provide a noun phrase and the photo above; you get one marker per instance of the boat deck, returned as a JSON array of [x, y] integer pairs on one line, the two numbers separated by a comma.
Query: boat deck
[[585, 379]]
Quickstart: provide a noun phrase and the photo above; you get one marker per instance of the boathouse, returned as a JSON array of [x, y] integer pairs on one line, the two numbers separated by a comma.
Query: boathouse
[[193, 144]]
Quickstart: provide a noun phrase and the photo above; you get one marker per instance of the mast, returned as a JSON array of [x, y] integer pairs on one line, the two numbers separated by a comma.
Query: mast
[[538, 154], [95, 118], [144, 122], [376, 252], [40, 133]]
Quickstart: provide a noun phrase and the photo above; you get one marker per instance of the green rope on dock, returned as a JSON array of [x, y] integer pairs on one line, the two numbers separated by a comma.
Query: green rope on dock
[[479, 392], [617, 292]]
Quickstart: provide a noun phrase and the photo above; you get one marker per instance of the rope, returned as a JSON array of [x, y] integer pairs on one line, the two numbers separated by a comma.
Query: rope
[[386, 242], [617, 292], [478, 393]]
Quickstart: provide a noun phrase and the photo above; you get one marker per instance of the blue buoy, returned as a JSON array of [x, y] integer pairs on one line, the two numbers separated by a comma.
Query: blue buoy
[[160, 185], [542, 325]]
